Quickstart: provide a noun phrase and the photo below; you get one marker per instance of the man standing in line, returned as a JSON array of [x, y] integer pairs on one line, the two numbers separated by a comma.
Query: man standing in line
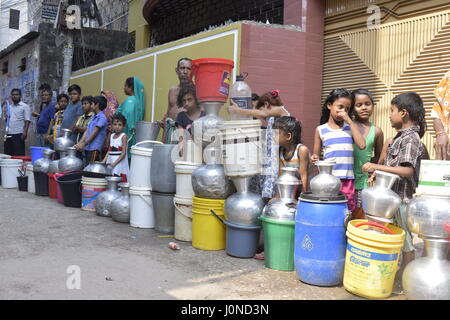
[[45, 115], [19, 118], [183, 71]]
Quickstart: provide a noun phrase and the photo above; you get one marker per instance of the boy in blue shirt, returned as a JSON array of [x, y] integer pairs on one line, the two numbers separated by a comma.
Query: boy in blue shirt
[[92, 141], [45, 116]]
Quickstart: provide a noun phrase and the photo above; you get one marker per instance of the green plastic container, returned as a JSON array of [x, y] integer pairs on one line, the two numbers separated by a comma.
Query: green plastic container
[[278, 244]]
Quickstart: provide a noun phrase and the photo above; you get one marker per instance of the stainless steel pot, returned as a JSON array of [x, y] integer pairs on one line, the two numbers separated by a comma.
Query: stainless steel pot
[[43, 164], [96, 170], [54, 165], [70, 162], [428, 214], [243, 207], [208, 123], [210, 182], [325, 184], [428, 278], [147, 130], [379, 200], [105, 199], [64, 141], [120, 207], [163, 178]]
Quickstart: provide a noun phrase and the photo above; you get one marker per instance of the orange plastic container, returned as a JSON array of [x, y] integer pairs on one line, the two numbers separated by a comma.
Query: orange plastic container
[[212, 78], [52, 186]]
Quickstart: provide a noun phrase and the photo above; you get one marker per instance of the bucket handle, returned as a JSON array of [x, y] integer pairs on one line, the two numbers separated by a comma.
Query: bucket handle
[[145, 200], [374, 224], [147, 141], [181, 210], [212, 211]]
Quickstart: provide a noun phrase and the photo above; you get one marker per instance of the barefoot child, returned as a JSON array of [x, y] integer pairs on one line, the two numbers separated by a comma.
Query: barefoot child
[[336, 135], [116, 157]]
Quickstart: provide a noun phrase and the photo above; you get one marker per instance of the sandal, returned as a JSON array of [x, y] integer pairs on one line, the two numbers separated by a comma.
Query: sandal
[[259, 256]]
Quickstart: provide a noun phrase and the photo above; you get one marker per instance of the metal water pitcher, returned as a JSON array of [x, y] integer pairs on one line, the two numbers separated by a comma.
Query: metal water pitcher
[[104, 199], [380, 201], [210, 182], [70, 162], [54, 165], [208, 123], [64, 141], [120, 207], [325, 184], [243, 207], [43, 164]]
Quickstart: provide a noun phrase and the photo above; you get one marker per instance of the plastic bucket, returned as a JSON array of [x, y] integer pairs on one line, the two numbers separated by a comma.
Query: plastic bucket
[[141, 208], [70, 184], [30, 175], [212, 78], [242, 240], [183, 218], [371, 260], [140, 167], [52, 186], [278, 244], [183, 172], [208, 233], [40, 183], [36, 153], [164, 212], [91, 188], [59, 195], [24, 159], [10, 172], [22, 183], [241, 147]]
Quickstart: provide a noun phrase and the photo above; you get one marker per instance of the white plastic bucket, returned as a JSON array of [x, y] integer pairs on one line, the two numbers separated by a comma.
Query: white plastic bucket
[[141, 208], [183, 172], [91, 188], [183, 218], [140, 168], [10, 172], [241, 147], [30, 175]]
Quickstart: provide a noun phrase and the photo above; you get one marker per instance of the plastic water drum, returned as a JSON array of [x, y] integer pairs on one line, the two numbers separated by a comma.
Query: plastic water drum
[[183, 172], [208, 233], [91, 188], [183, 218], [371, 260], [140, 168], [320, 242], [10, 172], [141, 208], [241, 146], [31, 186]]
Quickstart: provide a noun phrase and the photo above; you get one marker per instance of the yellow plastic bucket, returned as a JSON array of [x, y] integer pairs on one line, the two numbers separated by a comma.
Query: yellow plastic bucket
[[208, 233], [371, 259]]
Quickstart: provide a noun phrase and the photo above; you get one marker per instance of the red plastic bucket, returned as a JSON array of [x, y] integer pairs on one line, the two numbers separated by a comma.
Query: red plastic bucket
[[59, 195], [25, 159], [52, 186], [212, 78]]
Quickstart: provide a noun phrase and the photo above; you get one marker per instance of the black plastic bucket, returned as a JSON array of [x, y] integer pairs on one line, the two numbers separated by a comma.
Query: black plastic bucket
[[41, 183], [70, 184], [22, 183]]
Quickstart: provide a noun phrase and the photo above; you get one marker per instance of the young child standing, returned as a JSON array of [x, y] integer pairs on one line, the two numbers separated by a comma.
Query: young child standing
[[116, 157], [293, 153], [268, 108], [336, 135], [407, 116], [55, 124], [82, 123], [373, 136], [92, 141]]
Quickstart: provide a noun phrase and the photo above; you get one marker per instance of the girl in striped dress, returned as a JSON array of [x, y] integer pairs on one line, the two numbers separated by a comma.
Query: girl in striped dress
[[335, 137]]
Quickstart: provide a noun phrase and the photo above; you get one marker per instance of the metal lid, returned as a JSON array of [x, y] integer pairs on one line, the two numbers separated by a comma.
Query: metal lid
[[309, 197]]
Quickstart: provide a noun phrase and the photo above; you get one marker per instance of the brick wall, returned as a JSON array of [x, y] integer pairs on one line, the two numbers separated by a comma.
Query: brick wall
[[176, 19]]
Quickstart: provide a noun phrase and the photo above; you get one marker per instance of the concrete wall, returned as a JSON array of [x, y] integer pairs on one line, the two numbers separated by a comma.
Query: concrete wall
[[8, 36]]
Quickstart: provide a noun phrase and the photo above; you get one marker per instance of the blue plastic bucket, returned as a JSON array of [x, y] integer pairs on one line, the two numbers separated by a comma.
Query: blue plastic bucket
[[320, 240], [36, 153]]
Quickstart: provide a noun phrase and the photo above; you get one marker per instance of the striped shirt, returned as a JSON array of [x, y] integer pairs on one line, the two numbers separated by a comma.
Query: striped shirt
[[338, 146]]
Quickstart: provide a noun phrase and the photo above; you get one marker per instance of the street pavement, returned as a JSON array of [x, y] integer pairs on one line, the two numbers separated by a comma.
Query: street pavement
[[45, 246]]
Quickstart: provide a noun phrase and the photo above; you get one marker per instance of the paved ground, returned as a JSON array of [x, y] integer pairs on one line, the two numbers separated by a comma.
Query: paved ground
[[40, 239]]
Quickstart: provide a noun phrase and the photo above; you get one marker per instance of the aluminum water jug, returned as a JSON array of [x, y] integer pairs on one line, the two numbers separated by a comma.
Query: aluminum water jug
[[427, 215], [285, 207], [120, 207], [325, 184], [43, 164], [207, 125], [64, 141], [162, 172], [210, 182], [380, 201], [54, 165], [105, 199], [428, 278], [243, 207], [70, 162]]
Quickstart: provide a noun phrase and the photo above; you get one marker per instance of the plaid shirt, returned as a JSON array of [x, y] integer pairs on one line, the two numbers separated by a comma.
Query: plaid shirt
[[406, 150]]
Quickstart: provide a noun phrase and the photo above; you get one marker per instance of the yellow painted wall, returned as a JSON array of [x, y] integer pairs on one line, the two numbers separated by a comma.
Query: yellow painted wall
[[135, 16], [218, 43]]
